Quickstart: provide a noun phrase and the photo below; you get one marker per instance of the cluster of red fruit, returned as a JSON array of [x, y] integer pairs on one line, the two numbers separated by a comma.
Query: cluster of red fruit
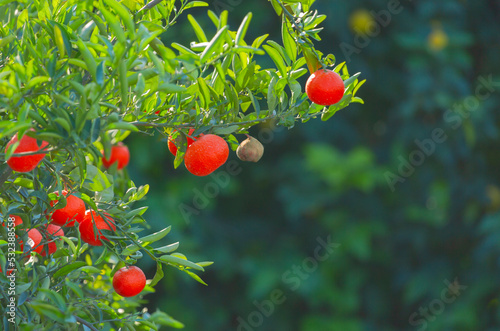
[[204, 154], [128, 281]]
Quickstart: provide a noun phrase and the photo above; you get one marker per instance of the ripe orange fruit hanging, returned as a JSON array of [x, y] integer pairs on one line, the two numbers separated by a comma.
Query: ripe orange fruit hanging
[[325, 87], [28, 162], [129, 281], [51, 232], [86, 227], [206, 154], [73, 212], [35, 238], [120, 154], [172, 141]]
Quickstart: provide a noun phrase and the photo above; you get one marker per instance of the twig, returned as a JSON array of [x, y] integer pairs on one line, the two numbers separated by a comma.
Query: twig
[[166, 125], [4, 176], [149, 5], [84, 322]]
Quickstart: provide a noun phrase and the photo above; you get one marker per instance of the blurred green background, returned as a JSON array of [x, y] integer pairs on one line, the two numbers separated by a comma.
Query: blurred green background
[[407, 223]]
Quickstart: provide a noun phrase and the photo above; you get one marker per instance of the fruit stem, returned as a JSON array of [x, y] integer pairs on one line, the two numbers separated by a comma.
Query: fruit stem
[[292, 19]]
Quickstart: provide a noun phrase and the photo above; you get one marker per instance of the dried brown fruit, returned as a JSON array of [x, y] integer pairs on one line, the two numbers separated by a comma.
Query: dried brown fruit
[[250, 150]]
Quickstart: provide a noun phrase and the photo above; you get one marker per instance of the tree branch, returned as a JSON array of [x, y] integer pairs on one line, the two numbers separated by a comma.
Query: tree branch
[[4, 176], [149, 5], [84, 322], [166, 125]]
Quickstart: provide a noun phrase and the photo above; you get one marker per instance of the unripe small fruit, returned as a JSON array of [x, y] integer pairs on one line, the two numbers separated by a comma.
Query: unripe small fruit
[[206, 154], [250, 150], [51, 232], [86, 227], [34, 240], [28, 162], [325, 87], [129, 281], [120, 154], [73, 212]]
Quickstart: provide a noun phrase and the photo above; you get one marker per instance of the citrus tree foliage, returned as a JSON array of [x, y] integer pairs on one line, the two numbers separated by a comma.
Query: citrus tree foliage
[[86, 74]]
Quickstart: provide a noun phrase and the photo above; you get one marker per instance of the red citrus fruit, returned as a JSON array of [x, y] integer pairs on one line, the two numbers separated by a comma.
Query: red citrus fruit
[[325, 87], [73, 212], [120, 154], [174, 139], [86, 227], [17, 220], [206, 154], [51, 232], [35, 238], [129, 281], [28, 162]]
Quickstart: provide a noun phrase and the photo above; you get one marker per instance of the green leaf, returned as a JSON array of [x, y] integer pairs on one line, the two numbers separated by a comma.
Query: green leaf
[[24, 182], [114, 24], [156, 236], [122, 75], [255, 102], [171, 88], [357, 100], [197, 29], [65, 124], [358, 86], [204, 92], [312, 60], [242, 30], [158, 275], [281, 51], [214, 45], [196, 4], [62, 39], [87, 57], [99, 78], [259, 40], [180, 261], [48, 310], [351, 79], [195, 277], [226, 130], [344, 102], [124, 14], [288, 41], [161, 318], [277, 7], [68, 268], [168, 248], [277, 59]]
